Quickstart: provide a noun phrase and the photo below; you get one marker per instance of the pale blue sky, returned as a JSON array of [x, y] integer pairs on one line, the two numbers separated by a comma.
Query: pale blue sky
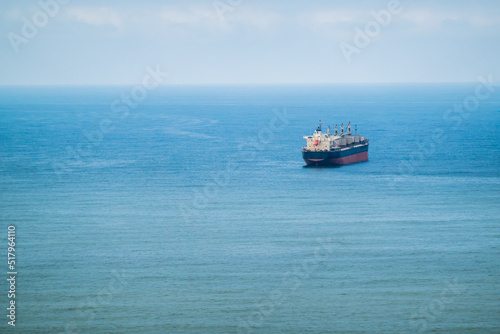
[[254, 42]]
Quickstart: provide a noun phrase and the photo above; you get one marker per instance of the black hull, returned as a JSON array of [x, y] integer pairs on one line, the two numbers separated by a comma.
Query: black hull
[[338, 157]]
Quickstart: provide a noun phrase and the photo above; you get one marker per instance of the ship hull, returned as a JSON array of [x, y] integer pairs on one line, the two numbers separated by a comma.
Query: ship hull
[[336, 158]]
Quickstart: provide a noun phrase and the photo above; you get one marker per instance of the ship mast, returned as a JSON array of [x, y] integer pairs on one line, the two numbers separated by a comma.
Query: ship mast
[[319, 126]]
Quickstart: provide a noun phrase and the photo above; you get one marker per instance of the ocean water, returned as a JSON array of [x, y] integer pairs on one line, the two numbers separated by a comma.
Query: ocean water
[[191, 211]]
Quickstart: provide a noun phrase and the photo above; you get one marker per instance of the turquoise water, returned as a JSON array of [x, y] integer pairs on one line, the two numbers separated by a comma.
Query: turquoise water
[[192, 213]]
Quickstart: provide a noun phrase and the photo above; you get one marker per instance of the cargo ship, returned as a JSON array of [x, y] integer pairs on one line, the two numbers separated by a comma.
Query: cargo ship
[[344, 148]]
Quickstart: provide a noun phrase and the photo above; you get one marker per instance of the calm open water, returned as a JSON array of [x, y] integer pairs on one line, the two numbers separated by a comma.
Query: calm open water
[[192, 213]]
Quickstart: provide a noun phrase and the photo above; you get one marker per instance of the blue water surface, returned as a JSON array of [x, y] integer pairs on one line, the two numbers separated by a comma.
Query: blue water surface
[[191, 211]]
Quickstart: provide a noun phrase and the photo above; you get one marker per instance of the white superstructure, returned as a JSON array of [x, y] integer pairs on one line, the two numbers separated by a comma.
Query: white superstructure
[[320, 141]]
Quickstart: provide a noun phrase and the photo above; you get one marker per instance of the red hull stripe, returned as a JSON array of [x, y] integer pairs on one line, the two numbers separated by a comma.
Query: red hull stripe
[[350, 159]]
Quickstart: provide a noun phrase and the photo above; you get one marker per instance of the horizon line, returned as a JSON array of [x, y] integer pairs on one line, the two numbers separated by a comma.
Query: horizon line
[[237, 84]]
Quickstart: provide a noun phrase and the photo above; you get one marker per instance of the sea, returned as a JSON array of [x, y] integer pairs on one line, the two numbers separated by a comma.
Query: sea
[[189, 209]]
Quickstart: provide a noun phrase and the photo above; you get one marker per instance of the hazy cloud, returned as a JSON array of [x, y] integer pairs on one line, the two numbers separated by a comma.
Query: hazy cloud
[[103, 41], [97, 16]]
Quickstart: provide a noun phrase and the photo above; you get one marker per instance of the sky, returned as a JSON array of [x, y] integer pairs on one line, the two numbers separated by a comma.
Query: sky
[[77, 42]]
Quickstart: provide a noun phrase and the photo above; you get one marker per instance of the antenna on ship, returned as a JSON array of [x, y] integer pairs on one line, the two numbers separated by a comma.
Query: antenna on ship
[[342, 128], [355, 129], [336, 130]]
